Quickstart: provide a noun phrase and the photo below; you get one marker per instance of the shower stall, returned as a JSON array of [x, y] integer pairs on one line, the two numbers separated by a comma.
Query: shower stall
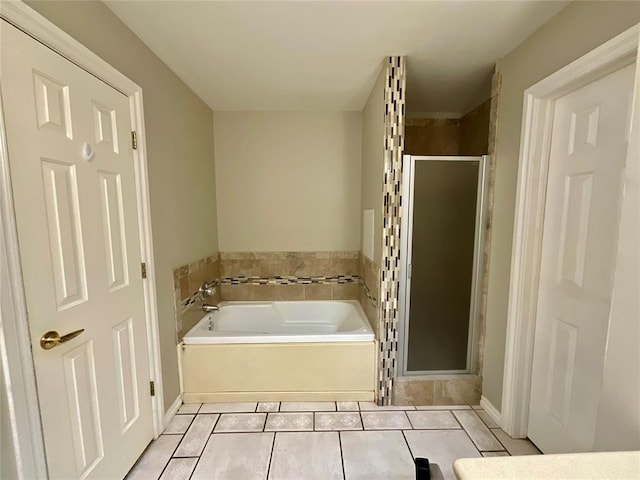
[[442, 235]]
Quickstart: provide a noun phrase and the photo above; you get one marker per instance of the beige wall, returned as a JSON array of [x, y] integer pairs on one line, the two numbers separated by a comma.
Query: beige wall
[[180, 154], [576, 30], [373, 161], [288, 181]]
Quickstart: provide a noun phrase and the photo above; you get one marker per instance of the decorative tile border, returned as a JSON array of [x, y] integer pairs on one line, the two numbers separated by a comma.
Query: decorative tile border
[[288, 264], [194, 297], [368, 293], [289, 276], [288, 280], [338, 254], [394, 98]]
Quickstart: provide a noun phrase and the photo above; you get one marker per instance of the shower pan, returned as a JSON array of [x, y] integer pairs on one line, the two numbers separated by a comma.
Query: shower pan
[[442, 236]]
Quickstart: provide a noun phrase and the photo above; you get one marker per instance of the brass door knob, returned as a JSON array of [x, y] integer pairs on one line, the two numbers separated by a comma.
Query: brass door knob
[[52, 338]]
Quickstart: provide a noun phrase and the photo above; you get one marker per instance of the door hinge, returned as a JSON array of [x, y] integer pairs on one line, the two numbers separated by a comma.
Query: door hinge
[[134, 140], [152, 388], [143, 269]]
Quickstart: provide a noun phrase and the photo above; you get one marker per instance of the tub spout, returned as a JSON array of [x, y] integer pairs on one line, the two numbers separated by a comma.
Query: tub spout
[[209, 308]]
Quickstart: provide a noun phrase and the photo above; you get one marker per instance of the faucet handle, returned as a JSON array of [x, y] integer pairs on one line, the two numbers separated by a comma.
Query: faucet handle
[[206, 290]]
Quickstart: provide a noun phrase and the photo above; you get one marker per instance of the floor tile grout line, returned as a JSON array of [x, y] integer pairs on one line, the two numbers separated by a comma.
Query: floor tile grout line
[[273, 444], [212, 430], [170, 456], [177, 433], [482, 420], [490, 432], [408, 420], [457, 421], [344, 474], [406, 441], [499, 441], [200, 456], [471, 438]]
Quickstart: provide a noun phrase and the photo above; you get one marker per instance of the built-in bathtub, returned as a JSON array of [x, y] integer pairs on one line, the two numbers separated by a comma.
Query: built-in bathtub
[[302, 350]]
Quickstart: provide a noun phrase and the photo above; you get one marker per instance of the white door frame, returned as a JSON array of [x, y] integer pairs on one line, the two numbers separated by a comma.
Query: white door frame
[[539, 101], [408, 169], [15, 345]]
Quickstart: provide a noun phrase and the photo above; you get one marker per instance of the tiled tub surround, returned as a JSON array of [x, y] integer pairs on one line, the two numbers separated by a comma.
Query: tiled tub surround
[[272, 276], [263, 276], [186, 282], [327, 440], [369, 282]]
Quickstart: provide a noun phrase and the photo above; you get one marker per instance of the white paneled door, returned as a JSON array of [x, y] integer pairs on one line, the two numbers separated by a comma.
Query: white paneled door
[[73, 180], [589, 140]]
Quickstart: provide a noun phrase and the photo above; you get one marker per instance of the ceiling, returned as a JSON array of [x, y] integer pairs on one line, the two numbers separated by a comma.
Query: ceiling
[[325, 55]]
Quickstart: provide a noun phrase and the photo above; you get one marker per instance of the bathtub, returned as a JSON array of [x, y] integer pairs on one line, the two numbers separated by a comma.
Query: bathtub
[[282, 322], [280, 351]]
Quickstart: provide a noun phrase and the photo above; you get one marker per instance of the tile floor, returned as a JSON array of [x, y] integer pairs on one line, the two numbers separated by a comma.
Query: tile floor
[[320, 440]]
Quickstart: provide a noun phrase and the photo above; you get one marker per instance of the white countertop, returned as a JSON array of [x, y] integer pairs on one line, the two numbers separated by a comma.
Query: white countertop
[[574, 466]]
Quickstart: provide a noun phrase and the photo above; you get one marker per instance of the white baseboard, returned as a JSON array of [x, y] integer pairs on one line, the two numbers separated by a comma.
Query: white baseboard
[[171, 412], [492, 411]]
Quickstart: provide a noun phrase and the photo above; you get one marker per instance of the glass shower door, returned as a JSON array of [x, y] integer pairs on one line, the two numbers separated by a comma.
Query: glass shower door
[[444, 228]]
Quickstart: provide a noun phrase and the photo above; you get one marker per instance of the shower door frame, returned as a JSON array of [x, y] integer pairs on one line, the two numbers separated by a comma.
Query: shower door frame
[[406, 235]]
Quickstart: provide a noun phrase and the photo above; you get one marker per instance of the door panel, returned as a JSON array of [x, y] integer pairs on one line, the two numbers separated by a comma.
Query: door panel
[[124, 347], [64, 227], [113, 229], [575, 227], [104, 125], [78, 234], [587, 156], [52, 104], [563, 354], [84, 408]]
